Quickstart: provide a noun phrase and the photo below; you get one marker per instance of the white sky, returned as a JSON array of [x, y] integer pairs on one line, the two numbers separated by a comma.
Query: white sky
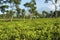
[[41, 5]]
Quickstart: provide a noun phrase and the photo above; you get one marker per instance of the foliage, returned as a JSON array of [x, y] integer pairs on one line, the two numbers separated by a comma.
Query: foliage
[[54, 2], [37, 29]]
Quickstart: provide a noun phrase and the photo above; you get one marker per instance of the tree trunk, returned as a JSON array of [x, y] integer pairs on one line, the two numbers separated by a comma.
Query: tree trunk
[[31, 16], [12, 13], [24, 17], [43, 15], [11, 18], [3, 15], [56, 12]]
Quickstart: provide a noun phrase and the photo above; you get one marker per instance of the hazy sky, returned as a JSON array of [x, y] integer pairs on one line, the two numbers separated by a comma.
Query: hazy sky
[[41, 5]]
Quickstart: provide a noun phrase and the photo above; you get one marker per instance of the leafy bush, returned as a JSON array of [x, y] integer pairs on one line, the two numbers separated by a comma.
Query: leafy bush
[[38, 29]]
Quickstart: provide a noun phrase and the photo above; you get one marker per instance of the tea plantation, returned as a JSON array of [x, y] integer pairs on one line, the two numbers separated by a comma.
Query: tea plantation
[[36, 29]]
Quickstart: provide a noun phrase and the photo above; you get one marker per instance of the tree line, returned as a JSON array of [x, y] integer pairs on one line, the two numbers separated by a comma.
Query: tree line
[[21, 13]]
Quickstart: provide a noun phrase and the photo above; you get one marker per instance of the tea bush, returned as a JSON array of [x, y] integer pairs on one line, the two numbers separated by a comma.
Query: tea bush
[[37, 29]]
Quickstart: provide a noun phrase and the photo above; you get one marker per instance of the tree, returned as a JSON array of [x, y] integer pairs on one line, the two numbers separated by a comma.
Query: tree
[[32, 6], [11, 14], [54, 2], [46, 14], [36, 14], [51, 12], [18, 11], [3, 7], [16, 4], [23, 13]]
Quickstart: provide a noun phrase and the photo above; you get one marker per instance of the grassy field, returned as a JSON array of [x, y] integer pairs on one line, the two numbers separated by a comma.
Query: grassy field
[[37, 29]]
